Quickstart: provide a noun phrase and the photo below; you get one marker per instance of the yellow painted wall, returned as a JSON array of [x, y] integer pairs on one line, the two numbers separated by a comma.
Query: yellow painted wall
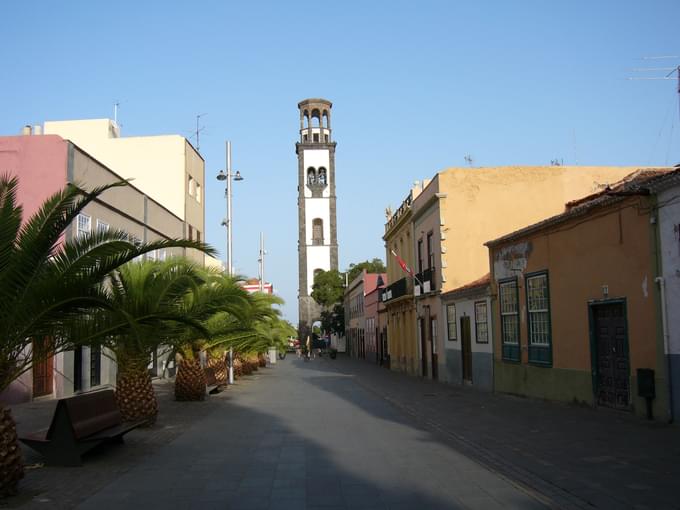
[[486, 203]]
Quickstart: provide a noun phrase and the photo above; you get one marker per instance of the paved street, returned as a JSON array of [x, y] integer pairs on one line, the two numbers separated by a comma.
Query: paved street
[[347, 434]]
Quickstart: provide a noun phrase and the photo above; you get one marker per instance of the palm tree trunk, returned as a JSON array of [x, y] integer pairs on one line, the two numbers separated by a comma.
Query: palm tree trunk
[[219, 365], [11, 466], [135, 394], [190, 382]]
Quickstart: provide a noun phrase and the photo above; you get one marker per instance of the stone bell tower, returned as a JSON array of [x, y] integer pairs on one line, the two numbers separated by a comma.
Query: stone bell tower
[[317, 225]]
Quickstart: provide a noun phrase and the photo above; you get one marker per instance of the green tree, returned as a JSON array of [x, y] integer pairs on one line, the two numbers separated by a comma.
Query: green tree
[[334, 320], [48, 284], [374, 266], [328, 288]]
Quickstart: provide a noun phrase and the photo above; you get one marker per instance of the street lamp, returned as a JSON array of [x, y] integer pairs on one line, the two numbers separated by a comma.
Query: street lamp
[[227, 178]]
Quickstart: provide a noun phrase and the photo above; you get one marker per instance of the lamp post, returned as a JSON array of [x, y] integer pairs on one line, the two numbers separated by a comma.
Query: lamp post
[[227, 178]]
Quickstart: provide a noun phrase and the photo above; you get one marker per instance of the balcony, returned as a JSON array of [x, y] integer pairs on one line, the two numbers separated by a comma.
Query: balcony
[[427, 278], [403, 287]]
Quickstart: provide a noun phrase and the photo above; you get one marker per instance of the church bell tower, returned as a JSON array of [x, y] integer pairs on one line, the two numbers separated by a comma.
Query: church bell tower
[[317, 225]]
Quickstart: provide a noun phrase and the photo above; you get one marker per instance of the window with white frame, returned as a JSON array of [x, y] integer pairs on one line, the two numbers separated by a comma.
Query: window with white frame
[[102, 226], [481, 323], [509, 319], [84, 225], [451, 322], [192, 186], [538, 318]]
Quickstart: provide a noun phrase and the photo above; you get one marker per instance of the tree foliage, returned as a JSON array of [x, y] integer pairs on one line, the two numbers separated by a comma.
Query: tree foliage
[[328, 288], [373, 266], [333, 320]]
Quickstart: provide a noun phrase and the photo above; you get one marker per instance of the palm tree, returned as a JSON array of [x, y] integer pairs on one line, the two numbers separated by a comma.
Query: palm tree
[[146, 310], [219, 303], [48, 283]]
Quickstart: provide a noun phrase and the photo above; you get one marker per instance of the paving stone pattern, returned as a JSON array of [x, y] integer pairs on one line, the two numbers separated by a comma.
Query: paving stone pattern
[[299, 435]]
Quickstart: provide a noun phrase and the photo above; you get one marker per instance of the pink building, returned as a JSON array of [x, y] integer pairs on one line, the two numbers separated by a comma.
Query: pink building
[[360, 334], [253, 285], [44, 165]]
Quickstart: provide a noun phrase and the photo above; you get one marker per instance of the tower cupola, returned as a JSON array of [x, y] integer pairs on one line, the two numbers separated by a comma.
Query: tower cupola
[[315, 121]]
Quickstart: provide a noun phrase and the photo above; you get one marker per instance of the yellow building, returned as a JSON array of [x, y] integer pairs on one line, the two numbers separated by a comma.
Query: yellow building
[[166, 167], [398, 296], [461, 209]]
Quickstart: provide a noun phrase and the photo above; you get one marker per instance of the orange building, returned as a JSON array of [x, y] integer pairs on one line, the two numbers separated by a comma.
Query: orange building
[[575, 303]]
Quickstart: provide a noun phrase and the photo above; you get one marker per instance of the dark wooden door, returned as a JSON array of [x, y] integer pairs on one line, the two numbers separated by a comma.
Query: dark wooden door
[[43, 368], [423, 347], [613, 373], [466, 348], [433, 349]]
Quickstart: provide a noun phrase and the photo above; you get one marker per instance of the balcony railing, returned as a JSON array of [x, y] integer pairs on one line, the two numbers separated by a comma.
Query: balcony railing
[[397, 289], [427, 279]]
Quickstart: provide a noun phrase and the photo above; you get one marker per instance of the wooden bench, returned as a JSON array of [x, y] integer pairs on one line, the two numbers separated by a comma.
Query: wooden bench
[[78, 425], [212, 384]]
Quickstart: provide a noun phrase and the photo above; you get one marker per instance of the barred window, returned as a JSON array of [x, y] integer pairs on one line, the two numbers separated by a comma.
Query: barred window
[[84, 225], [481, 323], [509, 313], [538, 310], [509, 320], [451, 322]]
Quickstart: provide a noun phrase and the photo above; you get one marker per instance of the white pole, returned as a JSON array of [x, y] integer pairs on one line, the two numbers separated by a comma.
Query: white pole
[[229, 268], [261, 262]]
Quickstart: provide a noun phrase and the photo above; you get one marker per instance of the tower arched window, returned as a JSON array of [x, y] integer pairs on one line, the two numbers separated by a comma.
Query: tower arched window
[[325, 119], [305, 117], [322, 176], [311, 176], [316, 118], [317, 232]]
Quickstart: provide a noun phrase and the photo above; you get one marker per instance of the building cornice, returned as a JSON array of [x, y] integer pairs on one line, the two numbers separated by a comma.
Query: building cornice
[[428, 203]]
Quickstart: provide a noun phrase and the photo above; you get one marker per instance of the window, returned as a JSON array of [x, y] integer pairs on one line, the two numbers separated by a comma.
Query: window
[[192, 186], [102, 227], [198, 193], [317, 232], [509, 320], [481, 323], [451, 322], [538, 318], [191, 233], [311, 176], [162, 254], [420, 255], [95, 366], [430, 252], [84, 225], [198, 235], [152, 255]]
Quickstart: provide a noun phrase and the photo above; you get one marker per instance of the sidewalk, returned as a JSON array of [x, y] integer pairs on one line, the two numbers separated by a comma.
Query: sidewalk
[[575, 456]]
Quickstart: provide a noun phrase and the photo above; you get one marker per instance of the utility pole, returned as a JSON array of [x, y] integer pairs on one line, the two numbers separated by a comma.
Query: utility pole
[[261, 261]]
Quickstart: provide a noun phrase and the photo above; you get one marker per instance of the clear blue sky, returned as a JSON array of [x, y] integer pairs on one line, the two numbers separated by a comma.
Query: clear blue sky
[[415, 87]]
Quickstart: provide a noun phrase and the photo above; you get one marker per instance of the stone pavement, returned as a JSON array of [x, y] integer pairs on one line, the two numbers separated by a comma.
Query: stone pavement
[[300, 435], [576, 457]]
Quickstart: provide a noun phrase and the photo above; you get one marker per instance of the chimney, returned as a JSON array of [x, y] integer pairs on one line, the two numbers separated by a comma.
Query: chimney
[[26, 130], [37, 129]]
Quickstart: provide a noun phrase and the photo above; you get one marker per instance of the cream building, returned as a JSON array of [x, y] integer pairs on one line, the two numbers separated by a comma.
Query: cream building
[[462, 208], [167, 168]]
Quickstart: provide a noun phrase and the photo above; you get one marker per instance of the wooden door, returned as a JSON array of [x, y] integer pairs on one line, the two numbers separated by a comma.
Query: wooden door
[[43, 368], [612, 363], [466, 348], [433, 348]]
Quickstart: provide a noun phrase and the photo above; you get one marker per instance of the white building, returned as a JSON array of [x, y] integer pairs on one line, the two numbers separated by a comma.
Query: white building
[[667, 189], [318, 240]]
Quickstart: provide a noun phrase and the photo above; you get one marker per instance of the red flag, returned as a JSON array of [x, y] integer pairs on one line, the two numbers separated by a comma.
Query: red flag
[[402, 264]]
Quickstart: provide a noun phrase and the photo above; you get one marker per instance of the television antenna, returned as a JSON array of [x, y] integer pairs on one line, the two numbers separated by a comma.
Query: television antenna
[[197, 133], [671, 72], [468, 159]]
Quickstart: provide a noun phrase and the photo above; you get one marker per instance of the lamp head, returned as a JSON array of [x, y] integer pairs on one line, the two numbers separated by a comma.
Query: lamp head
[[221, 176], [237, 176]]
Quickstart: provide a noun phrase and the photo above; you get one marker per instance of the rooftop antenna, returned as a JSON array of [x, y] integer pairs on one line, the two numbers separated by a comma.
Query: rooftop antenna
[[468, 159], [198, 131], [115, 112], [670, 71]]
